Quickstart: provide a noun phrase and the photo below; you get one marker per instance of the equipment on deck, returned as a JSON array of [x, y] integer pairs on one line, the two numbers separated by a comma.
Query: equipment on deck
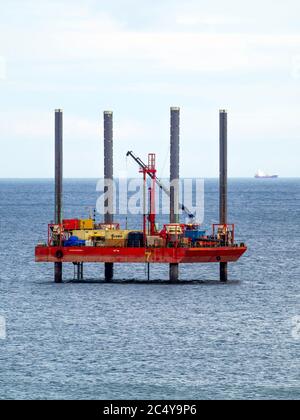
[[153, 176]]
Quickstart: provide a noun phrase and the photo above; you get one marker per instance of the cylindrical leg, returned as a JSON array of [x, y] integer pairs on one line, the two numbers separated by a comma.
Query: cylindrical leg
[[58, 272], [174, 179], [224, 272], [109, 271], [223, 184], [174, 273], [108, 176], [58, 182]]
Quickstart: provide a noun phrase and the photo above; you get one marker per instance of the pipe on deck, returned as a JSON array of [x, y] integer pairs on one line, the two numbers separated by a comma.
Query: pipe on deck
[[108, 177], [223, 183], [58, 181], [174, 179]]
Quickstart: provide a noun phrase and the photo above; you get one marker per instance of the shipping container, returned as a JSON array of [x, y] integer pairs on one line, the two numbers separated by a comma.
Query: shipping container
[[194, 235], [85, 235], [116, 234], [74, 241], [71, 224], [135, 240], [86, 224]]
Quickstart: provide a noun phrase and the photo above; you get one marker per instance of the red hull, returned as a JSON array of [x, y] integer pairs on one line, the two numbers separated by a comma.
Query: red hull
[[139, 255]]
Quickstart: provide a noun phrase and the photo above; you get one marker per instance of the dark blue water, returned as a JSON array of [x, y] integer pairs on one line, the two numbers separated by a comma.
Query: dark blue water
[[210, 341]]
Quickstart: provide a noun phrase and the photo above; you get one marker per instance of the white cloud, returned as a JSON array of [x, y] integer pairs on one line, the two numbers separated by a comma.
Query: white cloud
[[200, 56], [104, 40], [177, 51], [166, 52]]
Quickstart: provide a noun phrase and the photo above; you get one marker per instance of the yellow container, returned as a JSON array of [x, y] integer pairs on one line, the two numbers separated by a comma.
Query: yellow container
[[98, 234], [81, 234], [116, 234], [87, 224], [85, 235]]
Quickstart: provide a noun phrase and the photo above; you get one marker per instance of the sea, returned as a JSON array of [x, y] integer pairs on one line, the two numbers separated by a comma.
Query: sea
[[133, 340]]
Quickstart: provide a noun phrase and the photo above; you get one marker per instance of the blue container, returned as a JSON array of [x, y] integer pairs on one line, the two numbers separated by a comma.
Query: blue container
[[74, 241], [194, 235]]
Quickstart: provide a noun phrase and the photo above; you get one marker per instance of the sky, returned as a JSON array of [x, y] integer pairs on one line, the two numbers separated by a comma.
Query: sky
[[138, 58]]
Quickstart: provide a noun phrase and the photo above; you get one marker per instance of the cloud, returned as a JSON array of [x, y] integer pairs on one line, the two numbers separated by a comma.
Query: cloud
[[189, 52], [200, 55], [79, 35]]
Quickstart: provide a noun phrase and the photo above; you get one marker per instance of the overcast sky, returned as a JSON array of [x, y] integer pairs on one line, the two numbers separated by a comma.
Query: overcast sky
[[138, 58]]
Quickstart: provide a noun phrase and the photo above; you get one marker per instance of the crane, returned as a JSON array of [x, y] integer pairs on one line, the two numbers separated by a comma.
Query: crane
[[153, 176]]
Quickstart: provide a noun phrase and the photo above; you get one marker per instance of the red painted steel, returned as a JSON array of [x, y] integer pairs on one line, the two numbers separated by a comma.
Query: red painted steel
[[139, 255], [151, 171], [71, 224]]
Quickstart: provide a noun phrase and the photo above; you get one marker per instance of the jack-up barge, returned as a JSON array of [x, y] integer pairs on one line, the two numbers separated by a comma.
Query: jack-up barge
[[86, 241]]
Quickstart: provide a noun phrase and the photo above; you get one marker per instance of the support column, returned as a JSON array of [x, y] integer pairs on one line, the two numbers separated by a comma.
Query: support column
[[79, 274], [108, 177], [58, 182], [223, 184], [174, 179]]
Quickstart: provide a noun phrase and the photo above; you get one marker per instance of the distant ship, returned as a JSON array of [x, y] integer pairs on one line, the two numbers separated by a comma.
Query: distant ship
[[262, 175]]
